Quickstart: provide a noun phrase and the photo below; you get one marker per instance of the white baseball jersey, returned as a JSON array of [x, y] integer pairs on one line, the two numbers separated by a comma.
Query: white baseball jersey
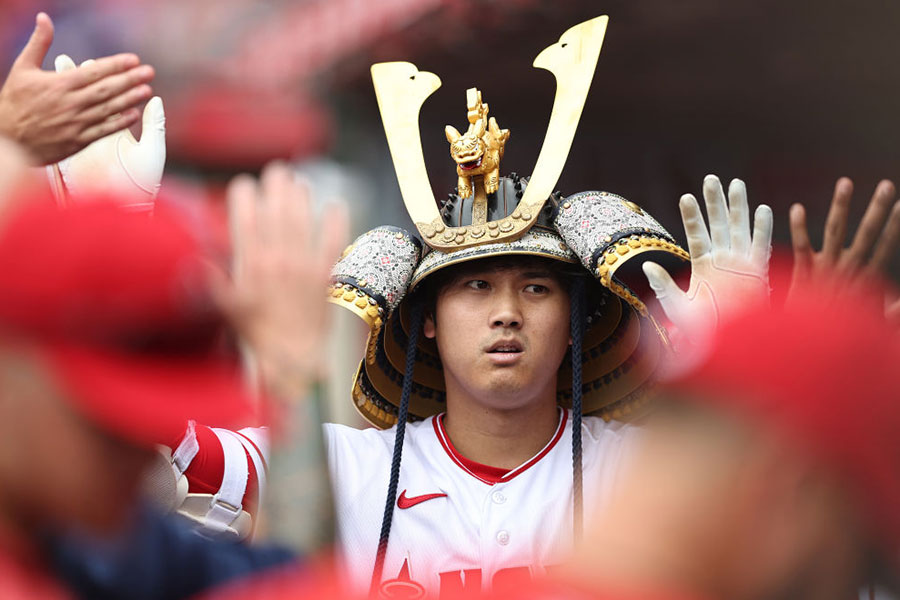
[[458, 524]]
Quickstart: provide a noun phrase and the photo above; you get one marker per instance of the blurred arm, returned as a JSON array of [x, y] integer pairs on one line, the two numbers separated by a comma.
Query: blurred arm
[[299, 508]]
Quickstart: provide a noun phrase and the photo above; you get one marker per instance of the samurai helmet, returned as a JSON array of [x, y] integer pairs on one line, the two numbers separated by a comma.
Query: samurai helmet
[[488, 216]]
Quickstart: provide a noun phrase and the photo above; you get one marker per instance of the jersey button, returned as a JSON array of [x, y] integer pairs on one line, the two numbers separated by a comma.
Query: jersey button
[[498, 497], [502, 537]]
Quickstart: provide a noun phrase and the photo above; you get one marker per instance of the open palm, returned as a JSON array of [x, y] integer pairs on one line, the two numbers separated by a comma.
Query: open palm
[[729, 266]]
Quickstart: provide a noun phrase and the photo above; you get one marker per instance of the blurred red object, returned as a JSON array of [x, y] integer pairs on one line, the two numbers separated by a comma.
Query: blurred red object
[[23, 579], [822, 371], [229, 127], [119, 304], [321, 582]]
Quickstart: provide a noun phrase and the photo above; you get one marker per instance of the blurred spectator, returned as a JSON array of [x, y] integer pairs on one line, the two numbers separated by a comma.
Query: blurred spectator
[[107, 333], [157, 558], [772, 469]]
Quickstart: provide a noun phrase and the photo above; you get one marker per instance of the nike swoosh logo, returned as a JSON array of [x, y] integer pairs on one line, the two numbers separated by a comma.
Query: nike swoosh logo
[[404, 502]]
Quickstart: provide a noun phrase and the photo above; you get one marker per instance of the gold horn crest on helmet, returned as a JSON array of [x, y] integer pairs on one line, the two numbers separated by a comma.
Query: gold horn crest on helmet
[[401, 89], [477, 154]]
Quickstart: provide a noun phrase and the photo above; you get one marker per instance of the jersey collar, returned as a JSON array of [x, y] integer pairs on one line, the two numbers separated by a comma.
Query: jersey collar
[[486, 473]]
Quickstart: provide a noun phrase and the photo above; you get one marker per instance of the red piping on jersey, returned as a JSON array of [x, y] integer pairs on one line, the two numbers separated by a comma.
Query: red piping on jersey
[[486, 473]]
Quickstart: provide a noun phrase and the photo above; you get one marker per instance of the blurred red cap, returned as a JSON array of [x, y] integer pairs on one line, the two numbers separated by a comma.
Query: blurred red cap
[[118, 304], [823, 370]]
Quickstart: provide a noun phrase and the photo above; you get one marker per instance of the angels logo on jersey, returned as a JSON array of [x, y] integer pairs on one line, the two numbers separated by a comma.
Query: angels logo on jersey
[[402, 587]]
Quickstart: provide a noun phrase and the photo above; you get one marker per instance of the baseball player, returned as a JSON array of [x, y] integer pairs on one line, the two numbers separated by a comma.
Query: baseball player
[[505, 350], [113, 320]]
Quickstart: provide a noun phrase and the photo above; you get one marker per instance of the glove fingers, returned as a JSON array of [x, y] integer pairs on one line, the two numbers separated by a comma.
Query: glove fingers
[[698, 241], [739, 217], [761, 247], [63, 63], [153, 125], [672, 299], [153, 128], [147, 157], [717, 212]]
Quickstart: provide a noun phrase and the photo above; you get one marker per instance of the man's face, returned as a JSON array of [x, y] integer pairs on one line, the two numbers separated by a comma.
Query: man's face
[[501, 333]]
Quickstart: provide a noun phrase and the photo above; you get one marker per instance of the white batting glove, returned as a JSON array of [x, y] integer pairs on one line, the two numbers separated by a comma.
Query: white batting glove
[[116, 163], [729, 267]]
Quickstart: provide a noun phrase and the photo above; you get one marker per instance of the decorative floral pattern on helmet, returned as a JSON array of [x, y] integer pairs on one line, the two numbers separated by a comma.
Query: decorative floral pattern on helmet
[[377, 267], [605, 231]]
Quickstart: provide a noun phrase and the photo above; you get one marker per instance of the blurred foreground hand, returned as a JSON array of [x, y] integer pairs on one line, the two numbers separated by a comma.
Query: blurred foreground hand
[[283, 255], [116, 163], [54, 115]]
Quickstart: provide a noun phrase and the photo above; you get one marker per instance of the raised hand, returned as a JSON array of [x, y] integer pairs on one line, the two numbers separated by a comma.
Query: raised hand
[[117, 162], [869, 254], [729, 266], [282, 261], [53, 115]]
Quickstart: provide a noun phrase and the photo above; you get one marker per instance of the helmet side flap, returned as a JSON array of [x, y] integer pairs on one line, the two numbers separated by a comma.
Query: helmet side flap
[[606, 231], [373, 273]]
